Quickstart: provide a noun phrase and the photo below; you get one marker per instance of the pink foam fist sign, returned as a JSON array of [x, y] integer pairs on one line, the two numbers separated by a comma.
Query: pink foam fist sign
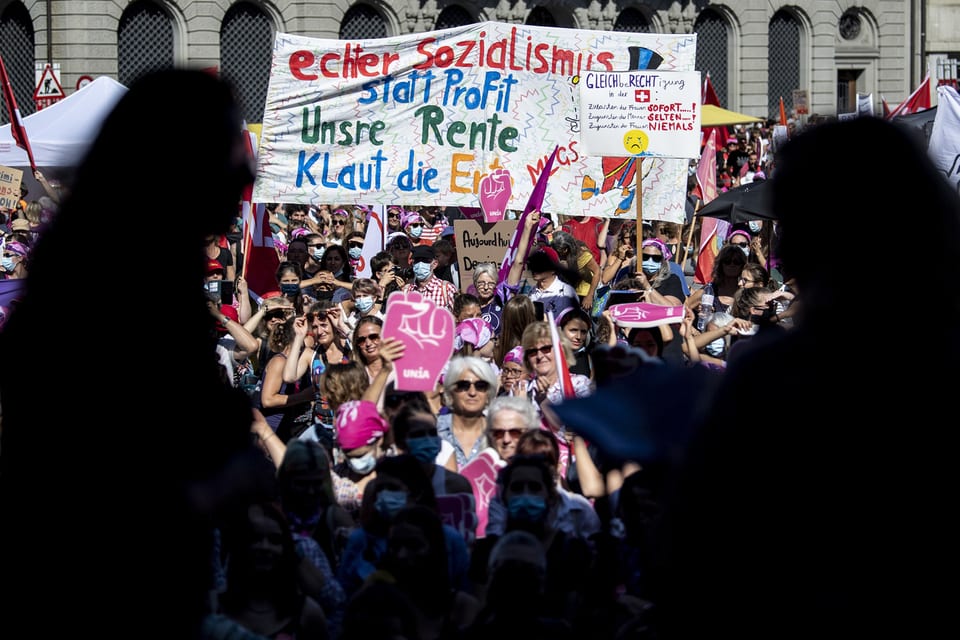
[[426, 331], [472, 213], [495, 190], [645, 314]]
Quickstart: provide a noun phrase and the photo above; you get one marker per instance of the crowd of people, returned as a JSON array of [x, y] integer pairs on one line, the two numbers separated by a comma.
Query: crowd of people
[[289, 489]]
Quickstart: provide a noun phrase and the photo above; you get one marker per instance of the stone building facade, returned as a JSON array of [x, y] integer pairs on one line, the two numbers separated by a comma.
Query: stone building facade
[[754, 51]]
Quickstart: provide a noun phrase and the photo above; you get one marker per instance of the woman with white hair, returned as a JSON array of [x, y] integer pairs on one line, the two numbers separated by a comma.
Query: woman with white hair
[[469, 385], [508, 417]]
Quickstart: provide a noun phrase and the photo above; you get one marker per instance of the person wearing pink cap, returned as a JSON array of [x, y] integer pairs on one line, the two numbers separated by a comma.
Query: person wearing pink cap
[[359, 430], [474, 337], [513, 375], [412, 224]]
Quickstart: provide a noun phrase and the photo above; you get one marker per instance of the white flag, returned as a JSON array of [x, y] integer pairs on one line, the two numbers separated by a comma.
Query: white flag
[[864, 104], [944, 146]]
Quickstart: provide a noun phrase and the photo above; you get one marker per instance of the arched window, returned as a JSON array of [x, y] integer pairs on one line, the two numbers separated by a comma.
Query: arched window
[[784, 52], [362, 22], [631, 21], [246, 49], [144, 41], [453, 16], [712, 46], [16, 47], [541, 17]]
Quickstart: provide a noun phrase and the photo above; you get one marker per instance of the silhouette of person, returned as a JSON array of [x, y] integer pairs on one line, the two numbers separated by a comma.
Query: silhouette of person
[[119, 434], [814, 497]]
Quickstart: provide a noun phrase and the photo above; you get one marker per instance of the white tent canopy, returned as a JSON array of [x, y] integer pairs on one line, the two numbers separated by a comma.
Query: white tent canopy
[[60, 134]]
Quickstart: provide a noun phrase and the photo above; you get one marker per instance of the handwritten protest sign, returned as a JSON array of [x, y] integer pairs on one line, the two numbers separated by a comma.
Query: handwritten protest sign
[[10, 179], [478, 243], [641, 113], [424, 118]]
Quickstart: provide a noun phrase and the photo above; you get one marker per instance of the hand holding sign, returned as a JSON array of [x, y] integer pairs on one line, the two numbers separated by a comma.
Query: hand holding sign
[[495, 191], [645, 314], [427, 332]]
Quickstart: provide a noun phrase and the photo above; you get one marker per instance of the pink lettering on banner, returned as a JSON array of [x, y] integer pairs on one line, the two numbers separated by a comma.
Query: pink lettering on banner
[[427, 332], [495, 191], [645, 314]]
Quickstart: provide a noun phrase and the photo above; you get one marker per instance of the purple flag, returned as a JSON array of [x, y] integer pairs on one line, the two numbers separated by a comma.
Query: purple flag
[[535, 202]]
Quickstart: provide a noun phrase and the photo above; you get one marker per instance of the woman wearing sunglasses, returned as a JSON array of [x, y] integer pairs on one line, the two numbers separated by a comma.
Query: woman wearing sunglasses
[[727, 269], [544, 385], [469, 385]]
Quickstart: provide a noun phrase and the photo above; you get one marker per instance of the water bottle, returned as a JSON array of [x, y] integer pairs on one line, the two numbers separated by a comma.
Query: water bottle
[[706, 308]]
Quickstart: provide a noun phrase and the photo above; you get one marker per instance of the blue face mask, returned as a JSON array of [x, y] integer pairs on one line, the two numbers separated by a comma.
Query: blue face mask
[[424, 449], [290, 289], [649, 266], [526, 507], [364, 303], [421, 271], [715, 348], [755, 226], [415, 232], [355, 252], [363, 464], [7, 264], [388, 502], [318, 253]]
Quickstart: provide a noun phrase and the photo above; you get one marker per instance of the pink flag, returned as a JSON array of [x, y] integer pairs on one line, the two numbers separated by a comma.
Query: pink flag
[[563, 370], [534, 202], [919, 100], [260, 259], [709, 96], [709, 239], [17, 129]]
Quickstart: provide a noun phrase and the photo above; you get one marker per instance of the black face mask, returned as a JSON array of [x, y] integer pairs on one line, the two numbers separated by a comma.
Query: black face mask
[[763, 318]]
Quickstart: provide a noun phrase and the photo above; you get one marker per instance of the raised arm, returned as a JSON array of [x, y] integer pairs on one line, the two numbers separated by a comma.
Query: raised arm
[[299, 360], [516, 269]]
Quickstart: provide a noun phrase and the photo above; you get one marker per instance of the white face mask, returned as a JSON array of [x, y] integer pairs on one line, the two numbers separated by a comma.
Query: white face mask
[[363, 464], [421, 271], [364, 303], [715, 348], [318, 253], [755, 226]]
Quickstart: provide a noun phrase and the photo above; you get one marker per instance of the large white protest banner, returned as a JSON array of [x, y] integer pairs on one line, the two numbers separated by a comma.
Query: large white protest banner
[[944, 145], [422, 118]]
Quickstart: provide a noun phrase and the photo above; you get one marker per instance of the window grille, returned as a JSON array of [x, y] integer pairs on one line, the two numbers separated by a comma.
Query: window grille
[[362, 22], [632, 21], [144, 41], [712, 37], [453, 16], [541, 17], [246, 51], [17, 47], [784, 67]]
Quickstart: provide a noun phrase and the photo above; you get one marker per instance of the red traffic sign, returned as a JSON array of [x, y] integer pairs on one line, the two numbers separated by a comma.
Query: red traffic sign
[[49, 87]]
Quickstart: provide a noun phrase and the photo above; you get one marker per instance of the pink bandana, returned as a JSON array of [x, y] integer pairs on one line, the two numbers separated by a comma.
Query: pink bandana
[[358, 423]]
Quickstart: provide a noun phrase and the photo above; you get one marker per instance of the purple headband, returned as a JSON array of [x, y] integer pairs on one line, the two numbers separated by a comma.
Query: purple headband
[[340, 212], [659, 245], [16, 247], [739, 232], [514, 355]]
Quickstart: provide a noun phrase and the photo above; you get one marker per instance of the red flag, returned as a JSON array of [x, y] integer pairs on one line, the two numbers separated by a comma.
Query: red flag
[[709, 96], [534, 202], [886, 107], [710, 234], [563, 370], [919, 100], [707, 169], [260, 260], [17, 129], [783, 113]]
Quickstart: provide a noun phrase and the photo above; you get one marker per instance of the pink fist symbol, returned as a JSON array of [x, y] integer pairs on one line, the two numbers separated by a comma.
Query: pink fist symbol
[[427, 332], [495, 191]]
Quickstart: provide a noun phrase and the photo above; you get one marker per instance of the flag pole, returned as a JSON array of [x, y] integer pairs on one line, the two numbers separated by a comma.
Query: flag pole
[[639, 195]]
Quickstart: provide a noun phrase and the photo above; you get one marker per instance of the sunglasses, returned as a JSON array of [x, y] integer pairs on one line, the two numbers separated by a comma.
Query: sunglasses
[[281, 314], [373, 337], [545, 350], [315, 246], [415, 225], [650, 256], [339, 223], [462, 386], [355, 245], [393, 215], [499, 433]]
